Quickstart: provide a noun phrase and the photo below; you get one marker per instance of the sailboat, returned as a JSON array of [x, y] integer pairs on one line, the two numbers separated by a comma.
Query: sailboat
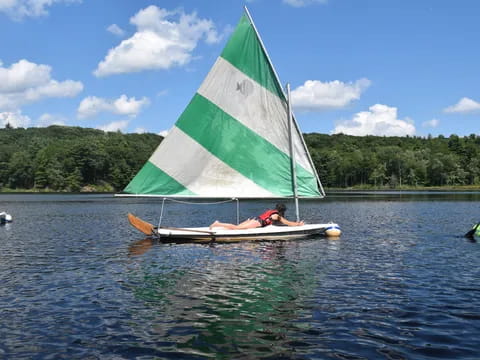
[[237, 138]]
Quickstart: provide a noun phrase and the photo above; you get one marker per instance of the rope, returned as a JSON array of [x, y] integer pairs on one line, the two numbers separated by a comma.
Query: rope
[[238, 212], [198, 203], [161, 214]]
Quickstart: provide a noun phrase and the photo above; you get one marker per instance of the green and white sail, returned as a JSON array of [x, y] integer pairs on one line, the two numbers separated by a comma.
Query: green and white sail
[[232, 140]]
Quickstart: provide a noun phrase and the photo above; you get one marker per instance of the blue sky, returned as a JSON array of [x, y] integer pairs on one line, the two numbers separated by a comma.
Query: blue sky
[[380, 67]]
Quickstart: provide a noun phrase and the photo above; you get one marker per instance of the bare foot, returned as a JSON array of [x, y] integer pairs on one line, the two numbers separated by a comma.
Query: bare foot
[[213, 225]]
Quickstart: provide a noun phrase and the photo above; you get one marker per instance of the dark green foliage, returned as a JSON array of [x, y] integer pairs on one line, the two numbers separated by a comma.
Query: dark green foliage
[[62, 158], [393, 162]]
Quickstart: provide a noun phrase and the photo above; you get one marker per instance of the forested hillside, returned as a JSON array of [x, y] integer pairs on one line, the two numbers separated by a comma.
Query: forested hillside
[[60, 158], [395, 162]]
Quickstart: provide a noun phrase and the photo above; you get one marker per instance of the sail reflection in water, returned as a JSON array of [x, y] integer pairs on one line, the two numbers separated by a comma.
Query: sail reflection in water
[[248, 301]]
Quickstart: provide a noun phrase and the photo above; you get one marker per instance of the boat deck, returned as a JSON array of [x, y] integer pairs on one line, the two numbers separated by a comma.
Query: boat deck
[[272, 232]]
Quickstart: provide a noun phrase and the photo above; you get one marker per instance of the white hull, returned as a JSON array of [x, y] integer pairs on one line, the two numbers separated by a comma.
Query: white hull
[[271, 232]]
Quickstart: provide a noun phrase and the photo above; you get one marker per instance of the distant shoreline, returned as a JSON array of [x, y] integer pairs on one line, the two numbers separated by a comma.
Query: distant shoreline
[[407, 188], [328, 190]]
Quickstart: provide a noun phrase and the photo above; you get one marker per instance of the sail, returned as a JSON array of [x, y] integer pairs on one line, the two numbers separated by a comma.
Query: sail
[[232, 140]]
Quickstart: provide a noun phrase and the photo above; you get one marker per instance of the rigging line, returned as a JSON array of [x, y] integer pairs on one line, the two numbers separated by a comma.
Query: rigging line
[[200, 203], [161, 214], [238, 211], [292, 152]]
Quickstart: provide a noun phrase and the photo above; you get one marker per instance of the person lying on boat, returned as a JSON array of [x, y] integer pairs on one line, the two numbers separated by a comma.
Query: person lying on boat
[[267, 218]]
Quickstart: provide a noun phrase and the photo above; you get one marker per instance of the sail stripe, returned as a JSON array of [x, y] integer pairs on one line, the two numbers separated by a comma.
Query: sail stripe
[[151, 180], [245, 52], [217, 180], [243, 149], [254, 106]]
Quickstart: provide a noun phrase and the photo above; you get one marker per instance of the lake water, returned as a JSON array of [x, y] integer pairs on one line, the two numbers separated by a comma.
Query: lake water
[[77, 282]]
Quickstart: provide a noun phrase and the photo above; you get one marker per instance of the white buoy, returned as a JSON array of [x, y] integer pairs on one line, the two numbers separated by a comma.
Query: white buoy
[[4, 218], [333, 230]]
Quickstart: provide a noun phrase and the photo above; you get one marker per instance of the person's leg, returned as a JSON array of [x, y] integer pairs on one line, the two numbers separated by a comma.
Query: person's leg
[[247, 224], [218, 224]]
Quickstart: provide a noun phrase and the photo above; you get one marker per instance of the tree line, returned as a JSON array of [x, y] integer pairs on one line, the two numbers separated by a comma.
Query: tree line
[[61, 158], [345, 161]]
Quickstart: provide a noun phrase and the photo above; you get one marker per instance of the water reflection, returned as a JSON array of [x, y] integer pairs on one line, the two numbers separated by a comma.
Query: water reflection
[[235, 297], [140, 247], [401, 283]]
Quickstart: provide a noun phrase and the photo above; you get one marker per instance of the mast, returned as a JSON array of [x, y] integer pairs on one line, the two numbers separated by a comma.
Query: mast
[[294, 121], [292, 154]]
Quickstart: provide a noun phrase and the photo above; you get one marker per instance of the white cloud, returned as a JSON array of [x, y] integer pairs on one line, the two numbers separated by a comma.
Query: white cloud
[[302, 3], [380, 120], [115, 30], [114, 126], [315, 95], [19, 9], [431, 123], [25, 82], [50, 119], [140, 130], [159, 43], [92, 105], [23, 75], [465, 105], [14, 118], [164, 133]]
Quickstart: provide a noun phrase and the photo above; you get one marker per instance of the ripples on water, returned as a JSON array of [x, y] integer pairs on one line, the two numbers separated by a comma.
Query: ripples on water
[[76, 282]]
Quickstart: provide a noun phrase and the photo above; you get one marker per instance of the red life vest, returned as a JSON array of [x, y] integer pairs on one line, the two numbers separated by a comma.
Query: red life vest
[[265, 218]]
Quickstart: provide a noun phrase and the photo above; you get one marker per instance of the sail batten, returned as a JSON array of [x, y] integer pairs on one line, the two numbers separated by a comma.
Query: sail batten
[[232, 138]]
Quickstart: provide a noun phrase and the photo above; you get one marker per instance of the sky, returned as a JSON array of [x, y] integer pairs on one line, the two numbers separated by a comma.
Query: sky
[[358, 67]]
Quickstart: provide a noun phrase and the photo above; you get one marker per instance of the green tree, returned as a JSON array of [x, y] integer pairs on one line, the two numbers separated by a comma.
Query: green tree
[[73, 181], [20, 171], [378, 175]]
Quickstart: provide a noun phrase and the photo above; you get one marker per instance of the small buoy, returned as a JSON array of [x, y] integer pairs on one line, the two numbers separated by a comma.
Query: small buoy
[[4, 217], [333, 230]]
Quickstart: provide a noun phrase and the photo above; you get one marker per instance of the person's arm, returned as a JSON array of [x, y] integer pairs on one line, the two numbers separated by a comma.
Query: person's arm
[[284, 221]]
